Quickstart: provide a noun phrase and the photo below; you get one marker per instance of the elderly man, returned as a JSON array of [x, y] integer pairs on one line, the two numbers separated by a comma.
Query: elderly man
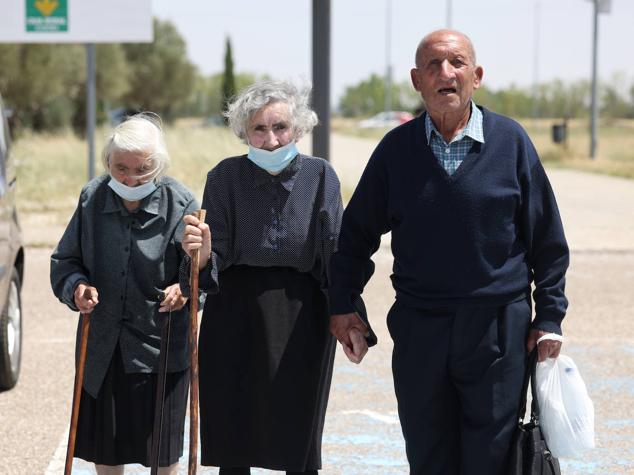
[[474, 223]]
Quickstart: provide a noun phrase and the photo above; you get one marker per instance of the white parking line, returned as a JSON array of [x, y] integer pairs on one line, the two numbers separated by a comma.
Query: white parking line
[[390, 418], [56, 465]]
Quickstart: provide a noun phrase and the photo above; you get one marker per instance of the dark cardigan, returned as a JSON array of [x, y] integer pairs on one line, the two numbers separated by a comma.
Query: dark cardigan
[[480, 236]]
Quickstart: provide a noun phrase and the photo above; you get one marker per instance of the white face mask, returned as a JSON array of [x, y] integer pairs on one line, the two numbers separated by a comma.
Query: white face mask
[[273, 161], [131, 193]]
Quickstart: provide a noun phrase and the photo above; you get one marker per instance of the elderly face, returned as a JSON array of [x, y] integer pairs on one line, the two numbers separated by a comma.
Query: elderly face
[[445, 73], [130, 168], [270, 127]]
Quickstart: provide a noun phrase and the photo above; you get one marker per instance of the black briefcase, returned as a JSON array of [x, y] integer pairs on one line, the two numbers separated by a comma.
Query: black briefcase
[[529, 454]]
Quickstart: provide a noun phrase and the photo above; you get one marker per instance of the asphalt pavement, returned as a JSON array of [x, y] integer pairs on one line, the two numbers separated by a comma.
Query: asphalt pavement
[[362, 434]]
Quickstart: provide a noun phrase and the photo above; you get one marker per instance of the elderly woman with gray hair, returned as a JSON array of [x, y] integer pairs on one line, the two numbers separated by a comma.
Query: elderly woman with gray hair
[[265, 352], [123, 245]]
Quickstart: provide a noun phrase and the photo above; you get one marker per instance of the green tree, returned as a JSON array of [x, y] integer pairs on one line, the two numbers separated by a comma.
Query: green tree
[[198, 101], [161, 76], [215, 89], [45, 84], [39, 82], [368, 97], [113, 74], [558, 99], [228, 79], [555, 99], [9, 65], [614, 101]]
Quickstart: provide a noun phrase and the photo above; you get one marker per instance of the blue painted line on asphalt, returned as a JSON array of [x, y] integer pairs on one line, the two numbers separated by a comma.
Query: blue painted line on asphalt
[[627, 348], [619, 422], [618, 385], [578, 466]]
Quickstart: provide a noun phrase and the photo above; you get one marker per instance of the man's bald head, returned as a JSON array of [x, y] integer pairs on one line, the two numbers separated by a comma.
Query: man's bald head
[[441, 36]]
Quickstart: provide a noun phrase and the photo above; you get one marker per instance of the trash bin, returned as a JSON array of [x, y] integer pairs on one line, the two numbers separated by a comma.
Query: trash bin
[[559, 133]]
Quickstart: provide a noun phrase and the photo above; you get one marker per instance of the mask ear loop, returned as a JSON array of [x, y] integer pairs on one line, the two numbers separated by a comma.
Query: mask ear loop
[[151, 174]]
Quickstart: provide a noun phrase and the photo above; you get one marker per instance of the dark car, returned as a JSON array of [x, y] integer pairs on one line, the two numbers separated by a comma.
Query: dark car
[[11, 265]]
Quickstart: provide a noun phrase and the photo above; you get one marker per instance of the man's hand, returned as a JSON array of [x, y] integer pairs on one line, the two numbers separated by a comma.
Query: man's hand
[[173, 300], [197, 236], [359, 346], [546, 349], [342, 326], [86, 297]]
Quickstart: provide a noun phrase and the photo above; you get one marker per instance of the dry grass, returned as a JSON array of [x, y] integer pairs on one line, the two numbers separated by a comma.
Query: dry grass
[[52, 169], [615, 152]]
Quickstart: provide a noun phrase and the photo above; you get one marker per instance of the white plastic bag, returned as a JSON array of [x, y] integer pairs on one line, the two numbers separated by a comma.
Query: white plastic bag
[[566, 410]]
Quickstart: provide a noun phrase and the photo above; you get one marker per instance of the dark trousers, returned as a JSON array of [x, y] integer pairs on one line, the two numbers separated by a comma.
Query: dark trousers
[[458, 375]]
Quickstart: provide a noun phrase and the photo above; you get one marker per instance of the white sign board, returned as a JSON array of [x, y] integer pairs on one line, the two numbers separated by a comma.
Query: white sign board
[[76, 21]]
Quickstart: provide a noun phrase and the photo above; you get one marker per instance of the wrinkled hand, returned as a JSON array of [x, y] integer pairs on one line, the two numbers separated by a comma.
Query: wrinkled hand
[[342, 326], [359, 346], [197, 236], [86, 298], [546, 349], [173, 300]]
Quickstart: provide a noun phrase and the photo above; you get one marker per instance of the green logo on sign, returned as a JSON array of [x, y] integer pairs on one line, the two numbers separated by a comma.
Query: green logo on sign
[[46, 16]]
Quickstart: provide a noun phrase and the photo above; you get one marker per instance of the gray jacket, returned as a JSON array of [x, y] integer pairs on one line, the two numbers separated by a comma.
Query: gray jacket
[[129, 257]]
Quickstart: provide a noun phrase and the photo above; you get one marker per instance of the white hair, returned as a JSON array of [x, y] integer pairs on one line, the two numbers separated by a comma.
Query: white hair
[[140, 133], [250, 100]]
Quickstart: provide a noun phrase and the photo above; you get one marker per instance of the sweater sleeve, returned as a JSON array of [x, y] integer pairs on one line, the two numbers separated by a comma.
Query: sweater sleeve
[[364, 221], [547, 249], [330, 226], [67, 266]]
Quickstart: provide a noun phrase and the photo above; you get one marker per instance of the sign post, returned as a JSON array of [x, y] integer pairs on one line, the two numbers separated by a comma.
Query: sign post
[[599, 6]]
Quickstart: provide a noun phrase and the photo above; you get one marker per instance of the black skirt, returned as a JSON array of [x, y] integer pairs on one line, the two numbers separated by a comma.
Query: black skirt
[[116, 428], [266, 360]]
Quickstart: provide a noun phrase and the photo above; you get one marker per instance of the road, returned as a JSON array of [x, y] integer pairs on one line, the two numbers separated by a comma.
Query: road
[[362, 434]]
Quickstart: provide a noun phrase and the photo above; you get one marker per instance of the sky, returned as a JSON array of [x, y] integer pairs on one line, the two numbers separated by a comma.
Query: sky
[[274, 37]]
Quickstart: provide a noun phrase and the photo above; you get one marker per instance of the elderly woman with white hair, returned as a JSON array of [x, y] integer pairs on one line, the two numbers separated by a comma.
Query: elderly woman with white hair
[[123, 244], [265, 352]]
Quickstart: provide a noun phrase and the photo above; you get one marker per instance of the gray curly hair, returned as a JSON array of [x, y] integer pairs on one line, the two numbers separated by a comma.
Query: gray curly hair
[[139, 133], [250, 100]]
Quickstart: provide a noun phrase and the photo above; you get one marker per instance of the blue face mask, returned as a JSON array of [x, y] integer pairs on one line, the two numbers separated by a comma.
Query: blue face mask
[[273, 161], [131, 193]]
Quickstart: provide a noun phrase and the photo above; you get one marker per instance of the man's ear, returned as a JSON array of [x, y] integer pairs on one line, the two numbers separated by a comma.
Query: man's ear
[[478, 73], [414, 76]]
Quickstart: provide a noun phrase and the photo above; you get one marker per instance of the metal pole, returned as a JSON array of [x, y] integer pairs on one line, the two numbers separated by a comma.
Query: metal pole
[[594, 113], [321, 77], [388, 58], [91, 106], [449, 14], [536, 63]]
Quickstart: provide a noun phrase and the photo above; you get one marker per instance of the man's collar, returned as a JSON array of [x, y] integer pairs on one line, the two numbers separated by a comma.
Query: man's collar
[[286, 177], [473, 128]]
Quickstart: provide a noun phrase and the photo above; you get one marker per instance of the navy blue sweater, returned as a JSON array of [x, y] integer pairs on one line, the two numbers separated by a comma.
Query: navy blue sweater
[[478, 237]]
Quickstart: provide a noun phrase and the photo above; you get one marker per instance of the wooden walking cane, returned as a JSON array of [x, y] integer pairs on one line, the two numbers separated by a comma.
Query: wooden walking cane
[[79, 382], [193, 348], [159, 404]]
